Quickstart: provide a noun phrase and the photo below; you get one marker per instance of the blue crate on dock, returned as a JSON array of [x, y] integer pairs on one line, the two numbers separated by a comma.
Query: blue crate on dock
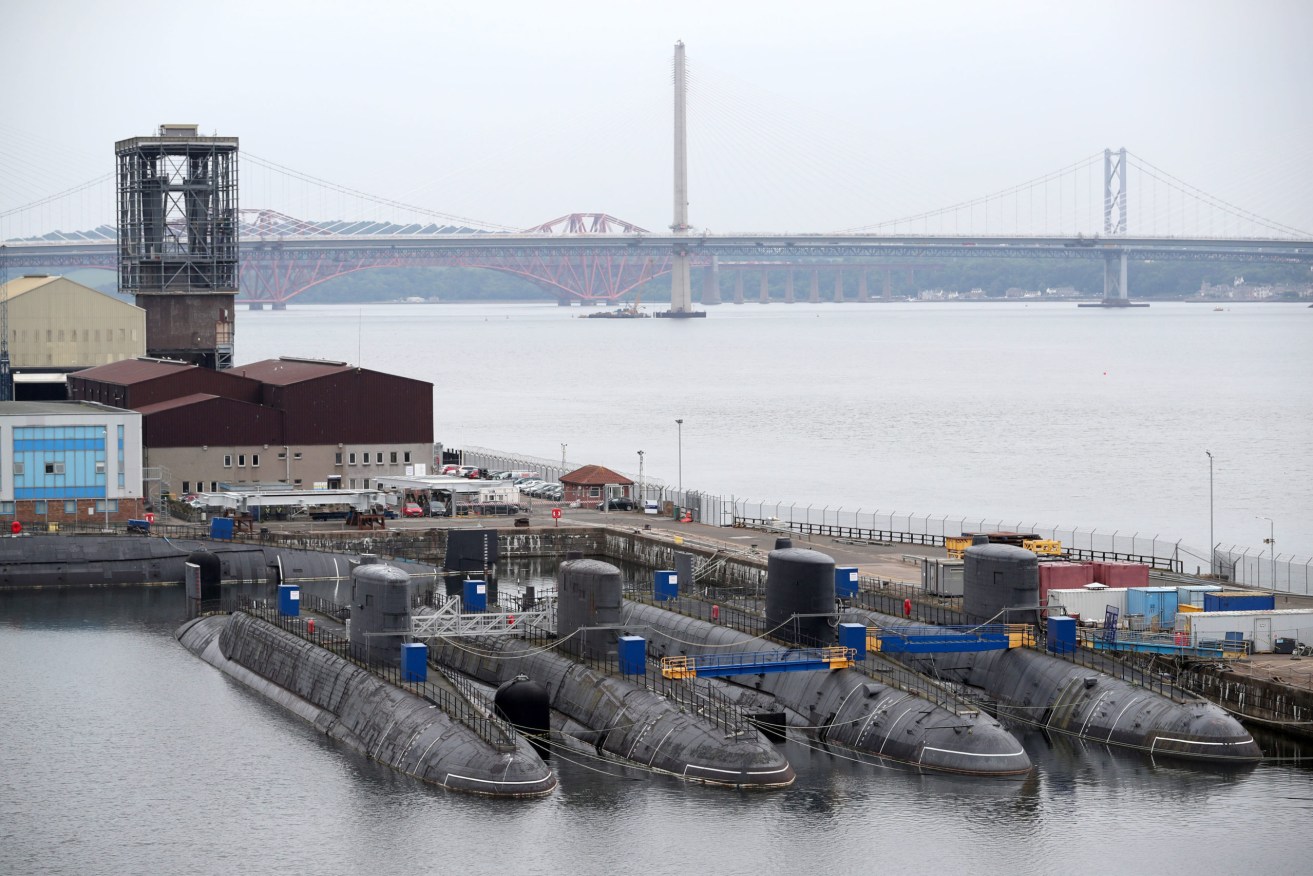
[[475, 596], [289, 600], [632, 654], [665, 585], [221, 528], [845, 582], [414, 662]]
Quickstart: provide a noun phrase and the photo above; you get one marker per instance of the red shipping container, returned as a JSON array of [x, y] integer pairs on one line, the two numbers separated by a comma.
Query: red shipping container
[[1119, 574], [1063, 576]]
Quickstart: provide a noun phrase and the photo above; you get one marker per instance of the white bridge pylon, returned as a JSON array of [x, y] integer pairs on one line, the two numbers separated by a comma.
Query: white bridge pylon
[[447, 620]]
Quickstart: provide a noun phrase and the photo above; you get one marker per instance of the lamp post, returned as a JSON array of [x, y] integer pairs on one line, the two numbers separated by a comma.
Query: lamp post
[[1212, 545], [563, 446], [1272, 542], [640, 476], [679, 426]]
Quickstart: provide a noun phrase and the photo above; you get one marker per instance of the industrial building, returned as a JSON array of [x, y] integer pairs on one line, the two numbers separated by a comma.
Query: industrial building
[[57, 326], [304, 422], [69, 461]]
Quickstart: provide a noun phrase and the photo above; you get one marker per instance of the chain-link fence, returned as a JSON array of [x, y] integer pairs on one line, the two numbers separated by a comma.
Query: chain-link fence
[[1282, 573]]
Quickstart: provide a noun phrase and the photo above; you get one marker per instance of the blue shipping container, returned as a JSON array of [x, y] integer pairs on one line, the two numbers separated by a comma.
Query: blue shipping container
[[1154, 603], [289, 600], [475, 596], [845, 582], [632, 654], [414, 662], [1239, 602], [221, 528], [1062, 635], [665, 585], [854, 636]]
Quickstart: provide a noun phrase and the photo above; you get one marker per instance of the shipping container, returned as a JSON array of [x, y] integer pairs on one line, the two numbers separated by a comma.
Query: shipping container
[[1157, 605], [1089, 604], [942, 577], [1193, 594], [1063, 576], [1262, 628], [1115, 573], [1239, 600]]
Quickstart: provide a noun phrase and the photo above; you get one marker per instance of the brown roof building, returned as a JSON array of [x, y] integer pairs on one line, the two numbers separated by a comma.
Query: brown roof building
[[300, 421], [588, 484]]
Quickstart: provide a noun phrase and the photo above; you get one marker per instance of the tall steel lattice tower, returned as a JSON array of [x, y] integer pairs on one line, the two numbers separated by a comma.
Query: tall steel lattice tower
[[178, 241]]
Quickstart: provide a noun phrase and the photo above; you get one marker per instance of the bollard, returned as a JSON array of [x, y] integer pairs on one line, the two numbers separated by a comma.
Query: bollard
[[715, 612], [310, 625]]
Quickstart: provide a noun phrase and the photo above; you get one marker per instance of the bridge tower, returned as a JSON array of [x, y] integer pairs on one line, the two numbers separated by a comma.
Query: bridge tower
[[178, 240], [681, 285], [1115, 292]]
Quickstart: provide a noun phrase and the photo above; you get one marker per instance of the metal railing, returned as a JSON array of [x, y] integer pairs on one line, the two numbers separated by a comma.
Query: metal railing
[[747, 621], [693, 696]]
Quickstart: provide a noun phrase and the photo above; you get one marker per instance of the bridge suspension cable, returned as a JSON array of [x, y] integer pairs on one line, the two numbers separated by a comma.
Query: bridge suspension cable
[[1152, 171], [377, 200]]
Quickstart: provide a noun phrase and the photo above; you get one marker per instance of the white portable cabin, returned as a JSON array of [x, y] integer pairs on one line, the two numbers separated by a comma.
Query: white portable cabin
[[1259, 627], [1193, 594], [1089, 603]]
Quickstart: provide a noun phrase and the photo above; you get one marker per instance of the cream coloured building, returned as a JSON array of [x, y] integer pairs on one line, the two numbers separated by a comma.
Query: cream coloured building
[[58, 325]]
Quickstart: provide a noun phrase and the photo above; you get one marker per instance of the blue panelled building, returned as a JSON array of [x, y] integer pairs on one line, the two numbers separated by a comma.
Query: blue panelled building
[[68, 461]]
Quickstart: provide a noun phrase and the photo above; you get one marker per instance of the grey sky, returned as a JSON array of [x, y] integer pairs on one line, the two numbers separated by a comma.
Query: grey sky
[[806, 117]]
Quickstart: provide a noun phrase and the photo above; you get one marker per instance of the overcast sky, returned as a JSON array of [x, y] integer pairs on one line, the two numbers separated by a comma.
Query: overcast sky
[[804, 116]]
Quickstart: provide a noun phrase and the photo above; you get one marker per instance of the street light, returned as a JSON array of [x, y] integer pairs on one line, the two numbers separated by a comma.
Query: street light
[[640, 476], [1212, 545], [679, 425], [563, 446], [1272, 542]]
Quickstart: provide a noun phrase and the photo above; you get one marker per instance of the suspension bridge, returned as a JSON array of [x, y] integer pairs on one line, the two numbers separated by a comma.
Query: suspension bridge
[[1112, 207]]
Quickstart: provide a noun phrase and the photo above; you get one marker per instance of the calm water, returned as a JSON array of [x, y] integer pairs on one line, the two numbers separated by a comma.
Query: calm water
[[122, 753], [1025, 413]]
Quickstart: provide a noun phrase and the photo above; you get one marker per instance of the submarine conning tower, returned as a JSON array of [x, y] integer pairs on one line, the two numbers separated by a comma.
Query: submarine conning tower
[[1000, 584], [800, 596], [588, 596], [380, 611]]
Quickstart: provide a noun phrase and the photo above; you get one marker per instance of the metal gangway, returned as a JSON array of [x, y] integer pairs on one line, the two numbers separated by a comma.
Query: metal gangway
[[758, 662], [948, 639], [448, 620]]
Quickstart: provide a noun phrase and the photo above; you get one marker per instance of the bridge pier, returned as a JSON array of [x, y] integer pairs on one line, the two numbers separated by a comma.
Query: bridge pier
[[863, 294], [814, 292], [738, 287], [711, 282], [764, 294], [280, 305], [788, 287], [888, 284], [838, 287], [255, 305], [1116, 292]]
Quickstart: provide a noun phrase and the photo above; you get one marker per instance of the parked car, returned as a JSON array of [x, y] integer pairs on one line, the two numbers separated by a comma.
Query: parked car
[[450, 469], [410, 509], [619, 503]]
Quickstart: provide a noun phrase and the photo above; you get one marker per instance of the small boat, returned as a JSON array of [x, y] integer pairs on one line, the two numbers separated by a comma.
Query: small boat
[[1217, 310]]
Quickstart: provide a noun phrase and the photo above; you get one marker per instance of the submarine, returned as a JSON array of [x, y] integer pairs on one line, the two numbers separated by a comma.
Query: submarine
[[676, 728], [1056, 694], [420, 729], [846, 707]]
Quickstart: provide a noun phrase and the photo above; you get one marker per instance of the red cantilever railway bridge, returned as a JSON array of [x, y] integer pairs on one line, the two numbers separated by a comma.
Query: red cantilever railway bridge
[[596, 257]]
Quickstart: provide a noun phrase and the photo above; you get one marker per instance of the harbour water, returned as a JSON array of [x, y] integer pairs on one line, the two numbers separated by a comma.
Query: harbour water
[[124, 754], [121, 753], [1017, 412]]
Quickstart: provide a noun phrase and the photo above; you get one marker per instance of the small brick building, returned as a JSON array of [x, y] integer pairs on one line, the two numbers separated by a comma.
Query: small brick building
[[588, 484]]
